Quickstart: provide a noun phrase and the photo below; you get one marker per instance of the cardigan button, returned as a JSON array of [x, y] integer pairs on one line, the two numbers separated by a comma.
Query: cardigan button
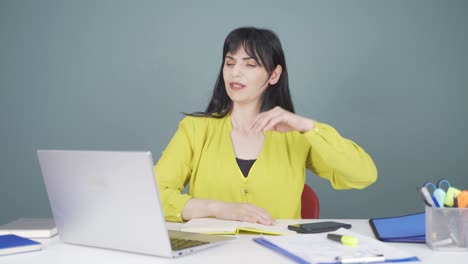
[[246, 191]]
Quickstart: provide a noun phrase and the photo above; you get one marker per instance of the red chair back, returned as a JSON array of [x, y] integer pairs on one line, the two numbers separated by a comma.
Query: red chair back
[[310, 203]]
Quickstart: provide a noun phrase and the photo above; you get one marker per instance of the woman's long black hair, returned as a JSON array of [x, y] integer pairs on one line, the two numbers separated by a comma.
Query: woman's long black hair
[[265, 48]]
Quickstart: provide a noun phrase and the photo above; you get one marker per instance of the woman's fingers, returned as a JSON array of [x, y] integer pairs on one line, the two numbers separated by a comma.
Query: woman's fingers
[[259, 215], [278, 119], [245, 212], [265, 119]]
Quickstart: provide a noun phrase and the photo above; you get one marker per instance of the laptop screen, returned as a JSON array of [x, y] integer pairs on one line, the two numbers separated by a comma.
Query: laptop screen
[[105, 199]]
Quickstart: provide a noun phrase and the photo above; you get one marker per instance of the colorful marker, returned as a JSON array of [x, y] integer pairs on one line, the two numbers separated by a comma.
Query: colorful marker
[[345, 240]]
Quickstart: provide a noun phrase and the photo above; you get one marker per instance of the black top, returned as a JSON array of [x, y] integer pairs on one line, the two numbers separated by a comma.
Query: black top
[[245, 165]]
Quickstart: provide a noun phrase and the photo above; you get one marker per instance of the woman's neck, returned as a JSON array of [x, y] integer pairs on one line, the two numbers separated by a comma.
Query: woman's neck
[[243, 116]]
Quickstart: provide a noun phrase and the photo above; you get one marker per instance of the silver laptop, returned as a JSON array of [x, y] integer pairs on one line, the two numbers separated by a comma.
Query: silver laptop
[[110, 200]]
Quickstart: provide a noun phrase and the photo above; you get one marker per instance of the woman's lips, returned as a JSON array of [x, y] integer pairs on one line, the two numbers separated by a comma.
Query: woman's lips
[[236, 86]]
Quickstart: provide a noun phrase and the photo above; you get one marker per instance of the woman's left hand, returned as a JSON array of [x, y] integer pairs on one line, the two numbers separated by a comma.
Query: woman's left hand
[[281, 120]]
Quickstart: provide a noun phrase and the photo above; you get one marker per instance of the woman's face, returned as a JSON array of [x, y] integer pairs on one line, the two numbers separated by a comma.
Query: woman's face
[[244, 78]]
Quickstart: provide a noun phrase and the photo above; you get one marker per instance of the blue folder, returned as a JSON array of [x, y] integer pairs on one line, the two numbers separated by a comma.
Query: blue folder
[[280, 250], [300, 260], [405, 228]]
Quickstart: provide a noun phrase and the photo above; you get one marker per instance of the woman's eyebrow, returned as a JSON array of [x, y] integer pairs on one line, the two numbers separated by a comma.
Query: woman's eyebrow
[[245, 58]]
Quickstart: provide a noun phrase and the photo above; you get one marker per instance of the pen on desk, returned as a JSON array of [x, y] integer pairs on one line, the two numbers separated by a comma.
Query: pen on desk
[[361, 259], [345, 240]]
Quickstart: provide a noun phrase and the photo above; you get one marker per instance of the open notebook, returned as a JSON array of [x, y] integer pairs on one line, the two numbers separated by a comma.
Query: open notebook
[[225, 227]]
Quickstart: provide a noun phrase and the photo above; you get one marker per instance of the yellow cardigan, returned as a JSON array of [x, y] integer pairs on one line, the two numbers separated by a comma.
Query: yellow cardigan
[[201, 154]]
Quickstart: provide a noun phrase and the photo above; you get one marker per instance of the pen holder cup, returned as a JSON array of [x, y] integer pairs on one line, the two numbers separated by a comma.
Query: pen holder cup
[[447, 228]]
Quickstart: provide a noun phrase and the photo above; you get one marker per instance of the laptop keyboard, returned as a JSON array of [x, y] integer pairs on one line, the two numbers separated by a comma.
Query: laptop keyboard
[[178, 243]]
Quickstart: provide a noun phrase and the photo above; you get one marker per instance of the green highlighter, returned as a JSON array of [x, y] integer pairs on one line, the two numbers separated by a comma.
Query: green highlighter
[[345, 240]]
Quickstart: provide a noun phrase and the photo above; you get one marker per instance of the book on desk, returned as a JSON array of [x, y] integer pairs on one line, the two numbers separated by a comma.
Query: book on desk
[[13, 244], [30, 227], [225, 227]]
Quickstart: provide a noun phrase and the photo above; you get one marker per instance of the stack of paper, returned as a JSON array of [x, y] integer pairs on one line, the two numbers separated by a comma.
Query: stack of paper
[[317, 248], [30, 227]]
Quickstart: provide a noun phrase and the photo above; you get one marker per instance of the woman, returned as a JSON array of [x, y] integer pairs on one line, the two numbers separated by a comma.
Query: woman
[[245, 156]]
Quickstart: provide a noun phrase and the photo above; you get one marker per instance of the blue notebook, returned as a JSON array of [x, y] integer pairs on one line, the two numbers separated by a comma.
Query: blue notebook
[[13, 244], [405, 228]]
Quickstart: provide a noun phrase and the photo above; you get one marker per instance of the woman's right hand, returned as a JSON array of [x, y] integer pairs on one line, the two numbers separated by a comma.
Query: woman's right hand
[[246, 212]]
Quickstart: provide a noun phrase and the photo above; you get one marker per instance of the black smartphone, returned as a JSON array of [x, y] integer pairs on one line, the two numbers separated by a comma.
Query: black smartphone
[[319, 227]]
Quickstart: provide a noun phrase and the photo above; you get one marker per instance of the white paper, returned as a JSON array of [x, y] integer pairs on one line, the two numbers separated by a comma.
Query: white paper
[[30, 227], [317, 248]]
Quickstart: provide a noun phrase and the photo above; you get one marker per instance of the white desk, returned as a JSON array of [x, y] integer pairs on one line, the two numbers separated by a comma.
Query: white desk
[[242, 250]]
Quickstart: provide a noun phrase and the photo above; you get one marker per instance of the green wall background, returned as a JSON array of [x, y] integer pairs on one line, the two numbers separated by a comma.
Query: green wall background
[[115, 75]]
